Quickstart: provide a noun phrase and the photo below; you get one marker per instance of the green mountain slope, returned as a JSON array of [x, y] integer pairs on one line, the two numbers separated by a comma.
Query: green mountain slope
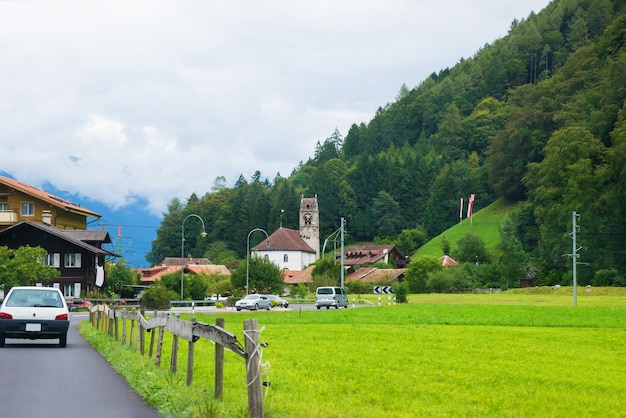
[[485, 224]]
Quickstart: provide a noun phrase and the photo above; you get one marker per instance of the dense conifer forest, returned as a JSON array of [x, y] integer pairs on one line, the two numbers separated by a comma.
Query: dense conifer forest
[[537, 117]]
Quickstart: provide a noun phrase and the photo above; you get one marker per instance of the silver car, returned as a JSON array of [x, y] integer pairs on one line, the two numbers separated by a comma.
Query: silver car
[[327, 296], [254, 302], [34, 313]]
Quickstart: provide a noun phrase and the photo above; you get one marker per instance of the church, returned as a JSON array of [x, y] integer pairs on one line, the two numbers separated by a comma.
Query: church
[[290, 249]]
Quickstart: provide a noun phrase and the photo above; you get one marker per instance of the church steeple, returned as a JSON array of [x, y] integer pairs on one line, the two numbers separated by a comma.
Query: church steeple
[[310, 223]]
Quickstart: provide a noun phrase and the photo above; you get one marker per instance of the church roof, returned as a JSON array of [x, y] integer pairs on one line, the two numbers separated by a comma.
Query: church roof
[[284, 239]]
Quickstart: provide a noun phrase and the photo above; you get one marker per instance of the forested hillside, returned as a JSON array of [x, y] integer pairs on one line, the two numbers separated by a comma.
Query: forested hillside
[[538, 117]]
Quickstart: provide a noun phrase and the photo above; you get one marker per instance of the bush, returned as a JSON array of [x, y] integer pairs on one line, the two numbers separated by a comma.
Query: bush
[[607, 277], [299, 291], [401, 291], [158, 297], [358, 287]]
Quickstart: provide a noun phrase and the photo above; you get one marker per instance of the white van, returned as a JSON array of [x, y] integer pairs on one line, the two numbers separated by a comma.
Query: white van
[[330, 296]]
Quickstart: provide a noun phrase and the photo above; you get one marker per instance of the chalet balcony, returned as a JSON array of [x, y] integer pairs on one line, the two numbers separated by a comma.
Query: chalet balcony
[[8, 217]]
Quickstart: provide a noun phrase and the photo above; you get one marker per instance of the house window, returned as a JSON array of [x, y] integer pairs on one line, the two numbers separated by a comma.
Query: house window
[[28, 209], [68, 289], [285, 258], [52, 260], [72, 260], [4, 207]]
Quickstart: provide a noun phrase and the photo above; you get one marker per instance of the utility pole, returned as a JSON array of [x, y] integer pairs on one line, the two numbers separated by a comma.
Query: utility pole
[[343, 223], [574, 253]]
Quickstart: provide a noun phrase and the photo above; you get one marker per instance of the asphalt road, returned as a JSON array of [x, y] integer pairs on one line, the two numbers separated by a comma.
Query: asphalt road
[[39, 379]]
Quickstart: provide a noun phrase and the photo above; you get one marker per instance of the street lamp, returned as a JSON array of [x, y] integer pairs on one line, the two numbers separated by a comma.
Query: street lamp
[[248, 254], [182, 250]]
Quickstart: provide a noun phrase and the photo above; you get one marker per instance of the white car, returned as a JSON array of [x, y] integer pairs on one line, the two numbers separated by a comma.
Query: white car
[[254, 302], [30, 312]]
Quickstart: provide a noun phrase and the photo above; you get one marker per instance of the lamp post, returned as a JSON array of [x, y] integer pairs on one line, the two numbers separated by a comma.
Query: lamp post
[[248, 254], [182, 249]]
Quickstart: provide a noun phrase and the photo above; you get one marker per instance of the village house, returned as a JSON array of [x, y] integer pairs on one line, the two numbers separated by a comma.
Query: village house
[[33, 217], [173, 265]]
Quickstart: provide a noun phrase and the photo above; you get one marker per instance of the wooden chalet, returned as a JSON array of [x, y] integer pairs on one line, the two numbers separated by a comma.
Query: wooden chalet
[[34, 217]]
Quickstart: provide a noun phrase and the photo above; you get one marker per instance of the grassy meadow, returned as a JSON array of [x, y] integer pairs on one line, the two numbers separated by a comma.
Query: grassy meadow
[[497, 355], [485, 224]]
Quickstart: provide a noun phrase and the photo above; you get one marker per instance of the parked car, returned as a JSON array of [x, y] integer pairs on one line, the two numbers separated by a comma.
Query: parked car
[[278, 301], [29, 312], [254, 302], [77, 304], [330, 296]]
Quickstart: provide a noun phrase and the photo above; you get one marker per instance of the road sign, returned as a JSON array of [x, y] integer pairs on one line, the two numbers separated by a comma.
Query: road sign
[[385, 290]]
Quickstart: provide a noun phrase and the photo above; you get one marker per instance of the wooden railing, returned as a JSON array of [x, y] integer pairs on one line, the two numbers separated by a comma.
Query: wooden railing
[[107, 320]]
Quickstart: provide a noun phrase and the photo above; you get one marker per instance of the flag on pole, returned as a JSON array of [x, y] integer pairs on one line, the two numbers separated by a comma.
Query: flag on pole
[[470, 206], [461, 212]]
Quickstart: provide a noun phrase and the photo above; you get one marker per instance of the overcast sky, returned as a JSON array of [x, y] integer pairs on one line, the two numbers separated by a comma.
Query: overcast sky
[[124, 100]]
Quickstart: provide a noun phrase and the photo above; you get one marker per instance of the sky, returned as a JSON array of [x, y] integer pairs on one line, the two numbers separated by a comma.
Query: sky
[[138, 102]]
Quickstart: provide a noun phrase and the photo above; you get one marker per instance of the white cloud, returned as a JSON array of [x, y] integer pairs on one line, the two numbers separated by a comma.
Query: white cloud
[[119, 101]]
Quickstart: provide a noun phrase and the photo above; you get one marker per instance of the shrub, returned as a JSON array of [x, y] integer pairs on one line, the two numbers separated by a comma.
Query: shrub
[[158, 297], [358, 287], [401, 291]]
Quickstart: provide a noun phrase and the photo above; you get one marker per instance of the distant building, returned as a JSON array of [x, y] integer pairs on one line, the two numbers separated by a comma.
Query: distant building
[[290, 249], [173, 265], [371, 254]]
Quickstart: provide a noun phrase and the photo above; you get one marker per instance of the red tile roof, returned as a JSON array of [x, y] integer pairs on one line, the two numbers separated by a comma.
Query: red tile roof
[[374, 275], [369, 254], [152, 274], [47, 197], [447, 261], [284, 239], [298, 276]]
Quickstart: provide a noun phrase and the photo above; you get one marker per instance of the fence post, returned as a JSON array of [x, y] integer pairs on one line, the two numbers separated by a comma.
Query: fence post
[[219, 364], [98, 319], [116, 325], [151, 350], [111, 319], [132, 335], [157, 357], [253, 369], [174, 357], [123, 330], [190, 348]]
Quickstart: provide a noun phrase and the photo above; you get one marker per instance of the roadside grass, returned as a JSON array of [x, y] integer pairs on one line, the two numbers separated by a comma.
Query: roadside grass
[[458, 356]]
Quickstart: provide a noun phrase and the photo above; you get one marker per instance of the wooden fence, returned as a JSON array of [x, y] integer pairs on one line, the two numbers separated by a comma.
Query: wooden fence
[[107, 320]]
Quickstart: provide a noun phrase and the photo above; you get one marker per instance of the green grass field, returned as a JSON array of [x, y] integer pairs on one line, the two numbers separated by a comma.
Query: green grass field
[[502, 355]]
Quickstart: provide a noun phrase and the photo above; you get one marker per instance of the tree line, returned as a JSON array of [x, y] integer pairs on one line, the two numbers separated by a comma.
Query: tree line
[[537, 116]]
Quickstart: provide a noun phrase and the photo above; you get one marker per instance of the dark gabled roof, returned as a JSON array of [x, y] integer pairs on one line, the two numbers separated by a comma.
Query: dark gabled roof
[[284, 239], [62, 234], [177, 261], [94, 235], [48, 197]]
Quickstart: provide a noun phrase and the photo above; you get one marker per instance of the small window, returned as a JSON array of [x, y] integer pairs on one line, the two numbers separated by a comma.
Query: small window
[[28, 209], [72, 260], [52, 260], [4, 207], [68, 289], [286, 258]]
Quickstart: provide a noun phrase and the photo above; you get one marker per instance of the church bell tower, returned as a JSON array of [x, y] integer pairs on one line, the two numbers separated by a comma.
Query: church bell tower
[[310, 223]]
